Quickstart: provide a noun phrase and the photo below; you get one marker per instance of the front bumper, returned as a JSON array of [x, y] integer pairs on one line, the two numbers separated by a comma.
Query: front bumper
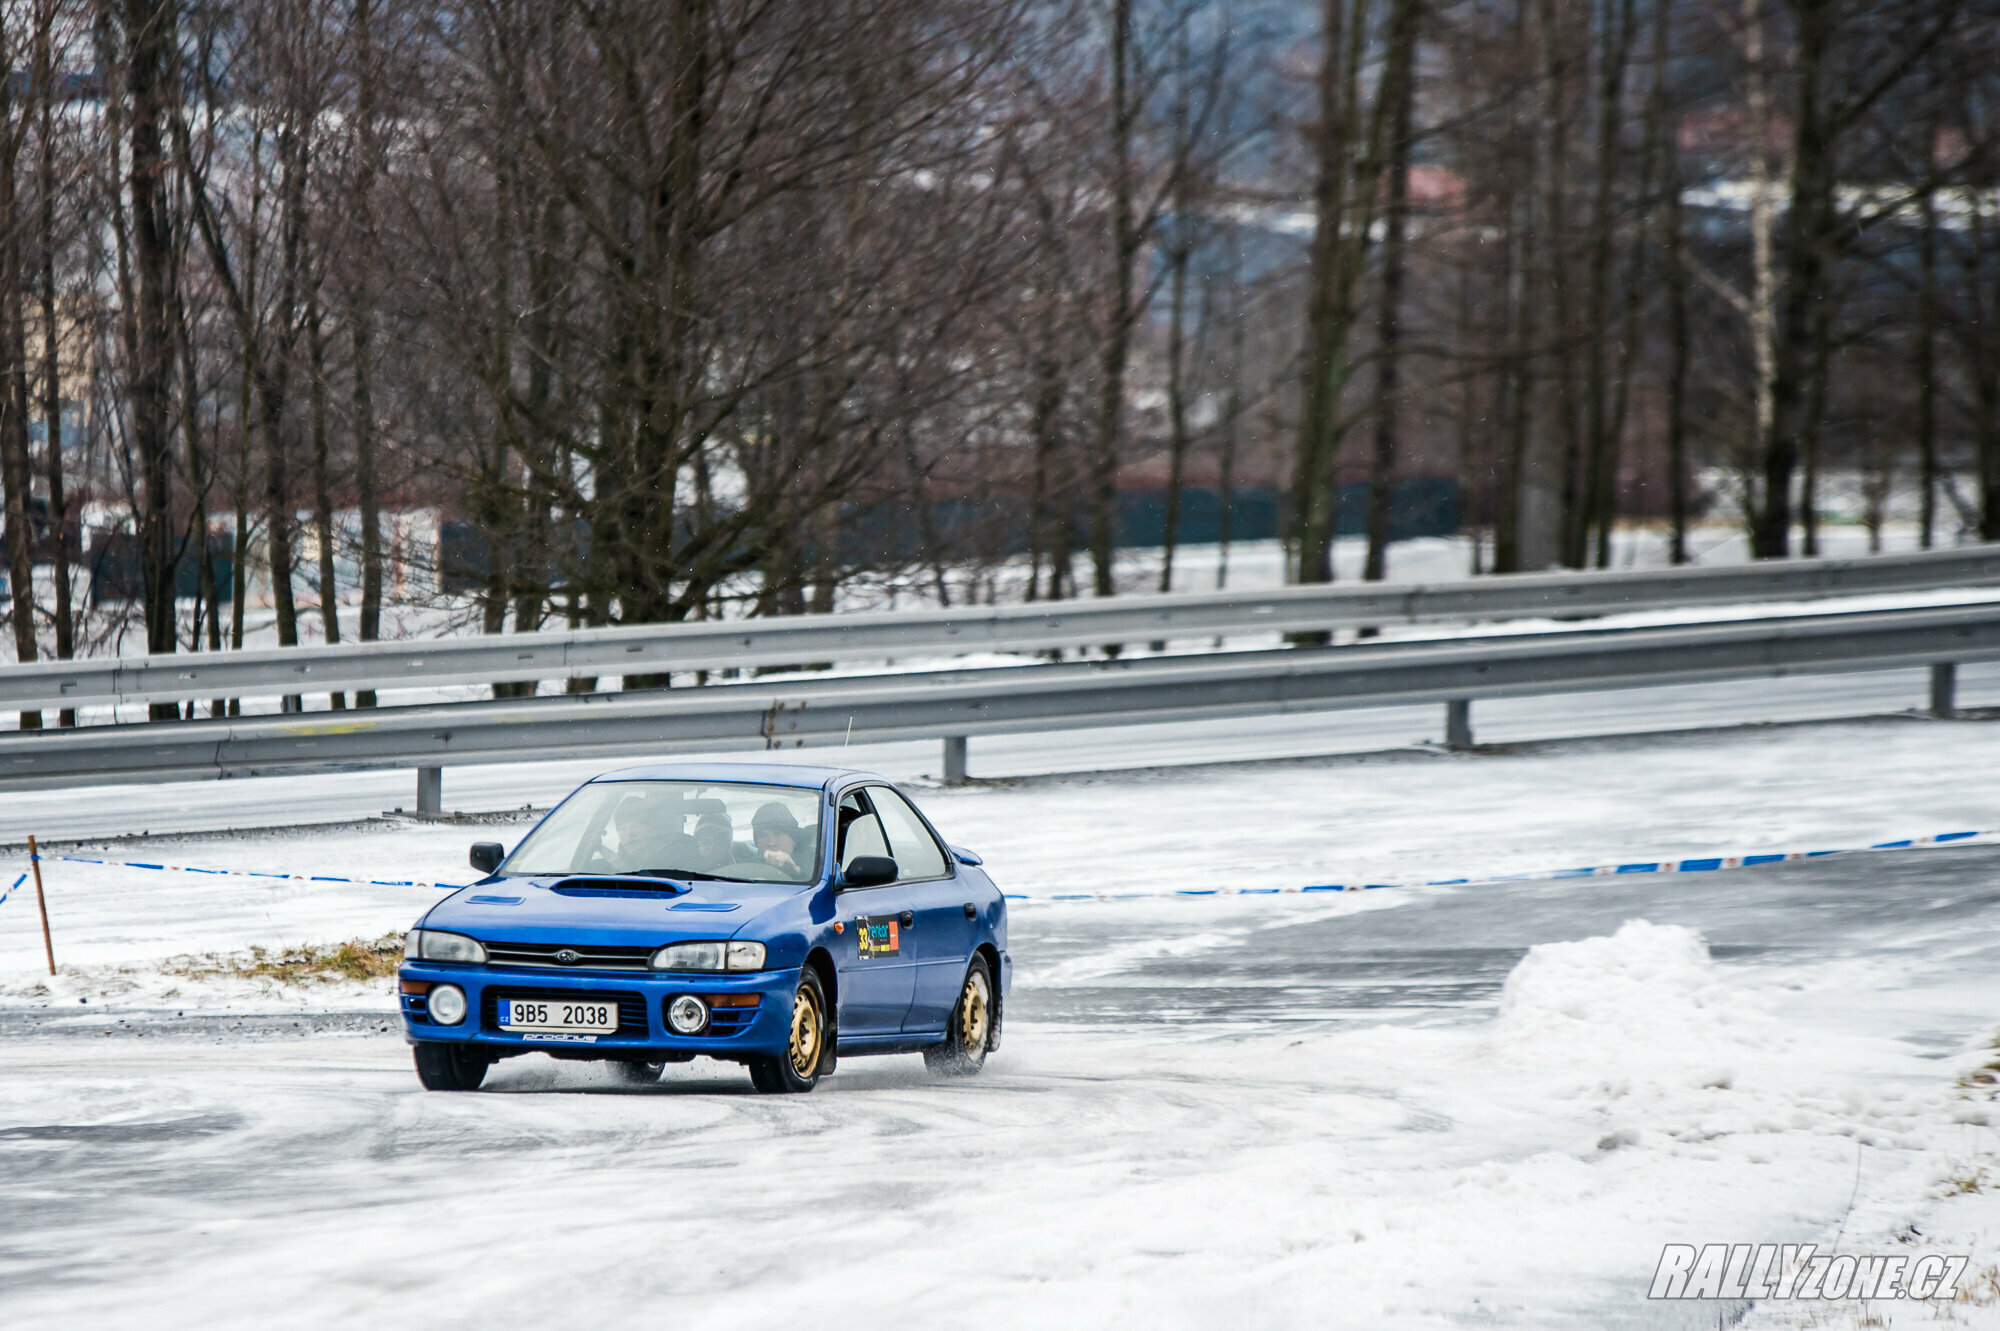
[[641, 998]]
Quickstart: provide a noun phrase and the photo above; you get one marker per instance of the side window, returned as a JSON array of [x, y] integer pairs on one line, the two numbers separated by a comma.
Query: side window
[[860, 832], [916, 851]]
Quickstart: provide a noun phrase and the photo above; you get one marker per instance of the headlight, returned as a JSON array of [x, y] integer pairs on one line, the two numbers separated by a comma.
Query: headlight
[[709, 957], [447, 1006], [431, 945], [687, 1015]]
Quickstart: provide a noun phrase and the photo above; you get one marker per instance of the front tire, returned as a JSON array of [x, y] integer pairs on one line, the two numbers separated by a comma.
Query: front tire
[[970, 1030], [446, 1067], [804, 1061]]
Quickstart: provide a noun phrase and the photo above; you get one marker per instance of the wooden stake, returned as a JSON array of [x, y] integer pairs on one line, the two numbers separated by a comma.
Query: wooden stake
[[48, 943]]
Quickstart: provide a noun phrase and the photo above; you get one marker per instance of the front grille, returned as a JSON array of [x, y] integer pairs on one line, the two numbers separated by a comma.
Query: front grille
[[543, 955], [631, 1007]]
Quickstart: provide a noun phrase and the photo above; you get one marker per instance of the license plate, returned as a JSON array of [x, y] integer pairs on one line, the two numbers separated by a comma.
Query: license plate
[[580, 1016]]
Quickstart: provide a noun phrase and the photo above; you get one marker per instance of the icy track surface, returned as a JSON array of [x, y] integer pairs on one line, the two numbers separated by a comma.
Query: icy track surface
[[1486, 1106]]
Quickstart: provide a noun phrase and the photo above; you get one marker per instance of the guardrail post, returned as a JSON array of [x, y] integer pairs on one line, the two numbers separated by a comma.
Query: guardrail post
[[430, 791], [954, 760], [1458, 723], [1944, 689]]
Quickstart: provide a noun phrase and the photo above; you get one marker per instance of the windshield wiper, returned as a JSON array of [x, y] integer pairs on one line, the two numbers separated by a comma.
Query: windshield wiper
[[668, 873]]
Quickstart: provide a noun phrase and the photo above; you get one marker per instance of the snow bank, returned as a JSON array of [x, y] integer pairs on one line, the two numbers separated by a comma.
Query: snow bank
[[1647, 998], [89, 992]]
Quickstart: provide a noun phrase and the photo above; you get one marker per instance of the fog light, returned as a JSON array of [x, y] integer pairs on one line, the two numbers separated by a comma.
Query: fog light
[[687, 1015], [447, 1004]]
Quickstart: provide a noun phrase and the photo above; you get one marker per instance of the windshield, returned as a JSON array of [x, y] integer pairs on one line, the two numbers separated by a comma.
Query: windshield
[[680, 829]]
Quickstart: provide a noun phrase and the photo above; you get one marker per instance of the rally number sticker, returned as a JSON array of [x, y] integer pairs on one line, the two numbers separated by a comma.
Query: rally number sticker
[[878, 936]]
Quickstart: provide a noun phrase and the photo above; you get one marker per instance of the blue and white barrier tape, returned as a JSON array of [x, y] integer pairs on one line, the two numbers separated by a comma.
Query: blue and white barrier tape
[[250, 873], [1702, 864]]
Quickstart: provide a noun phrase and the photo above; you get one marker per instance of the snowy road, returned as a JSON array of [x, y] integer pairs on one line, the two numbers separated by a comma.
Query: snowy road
[[1266, 1111]]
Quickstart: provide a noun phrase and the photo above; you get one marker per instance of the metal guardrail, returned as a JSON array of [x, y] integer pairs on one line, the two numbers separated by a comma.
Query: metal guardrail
[[958, 703], [724, 644]]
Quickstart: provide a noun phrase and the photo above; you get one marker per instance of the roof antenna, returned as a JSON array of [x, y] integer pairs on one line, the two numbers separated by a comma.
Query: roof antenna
[[850, 732]]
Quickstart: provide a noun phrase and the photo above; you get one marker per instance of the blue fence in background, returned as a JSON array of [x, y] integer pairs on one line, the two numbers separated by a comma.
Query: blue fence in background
[[873, 535], [903, 531]]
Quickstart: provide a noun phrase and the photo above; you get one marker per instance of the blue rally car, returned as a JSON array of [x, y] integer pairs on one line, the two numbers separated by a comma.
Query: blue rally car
[[774, 916]]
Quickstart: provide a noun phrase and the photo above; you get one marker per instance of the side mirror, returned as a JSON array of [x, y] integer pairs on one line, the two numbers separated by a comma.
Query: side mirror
[[486, 855], [868, 871]]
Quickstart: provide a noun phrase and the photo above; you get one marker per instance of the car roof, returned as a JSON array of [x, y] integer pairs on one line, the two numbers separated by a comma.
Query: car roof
[[767, 774]]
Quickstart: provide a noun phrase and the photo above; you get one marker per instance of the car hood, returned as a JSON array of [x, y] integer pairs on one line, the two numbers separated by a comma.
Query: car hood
[[565, 909]]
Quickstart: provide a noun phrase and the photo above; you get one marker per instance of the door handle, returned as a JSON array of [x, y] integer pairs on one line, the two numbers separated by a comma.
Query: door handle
[[971, 911], [907, 918]]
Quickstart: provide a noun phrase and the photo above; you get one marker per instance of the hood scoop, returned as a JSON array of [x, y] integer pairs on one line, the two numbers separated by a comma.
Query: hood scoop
[[650, 889]]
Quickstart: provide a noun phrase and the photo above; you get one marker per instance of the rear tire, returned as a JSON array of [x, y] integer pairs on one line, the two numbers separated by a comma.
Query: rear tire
[[970, 1031], [447, 1067], [802, 1064]]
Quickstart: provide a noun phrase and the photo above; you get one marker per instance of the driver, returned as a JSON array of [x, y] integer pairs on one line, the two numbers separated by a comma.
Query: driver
[[779, 838]]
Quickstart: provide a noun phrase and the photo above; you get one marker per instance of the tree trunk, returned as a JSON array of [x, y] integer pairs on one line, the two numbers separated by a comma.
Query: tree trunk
[[1177, 424], [1600, 462], [149, 26], [1667, 144], [1763, 255], [1560, 464], [1926, 350], [1043, 429], [361, 320], [46, 187], [294, 159], [1399, 89], [323, 529], [1517, 391], [1344, 203], [1120, 315], [1232, 417], [14, 466], [201, 469]]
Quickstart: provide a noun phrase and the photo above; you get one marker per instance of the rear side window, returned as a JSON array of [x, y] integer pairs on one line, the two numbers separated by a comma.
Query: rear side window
[[915, 850]]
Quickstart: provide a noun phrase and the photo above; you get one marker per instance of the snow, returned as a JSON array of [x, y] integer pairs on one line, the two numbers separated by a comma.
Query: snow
[[1410, 1108]]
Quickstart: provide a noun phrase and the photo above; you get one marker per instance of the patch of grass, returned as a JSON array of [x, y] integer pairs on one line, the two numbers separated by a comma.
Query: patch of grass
[[1967, 1178], [1981, 1288], [355, 959], [1987, 1077]]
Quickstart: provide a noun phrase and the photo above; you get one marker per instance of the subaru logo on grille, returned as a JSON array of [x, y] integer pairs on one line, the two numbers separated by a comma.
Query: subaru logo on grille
[[568, 956]]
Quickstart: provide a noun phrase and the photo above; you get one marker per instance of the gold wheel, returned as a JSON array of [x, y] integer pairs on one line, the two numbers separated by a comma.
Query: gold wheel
[[962, 1052], [973, 1008], [807, 1032]]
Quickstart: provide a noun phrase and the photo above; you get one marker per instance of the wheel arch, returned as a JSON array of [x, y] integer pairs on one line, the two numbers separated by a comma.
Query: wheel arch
[[998, 999], [820, 962]]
